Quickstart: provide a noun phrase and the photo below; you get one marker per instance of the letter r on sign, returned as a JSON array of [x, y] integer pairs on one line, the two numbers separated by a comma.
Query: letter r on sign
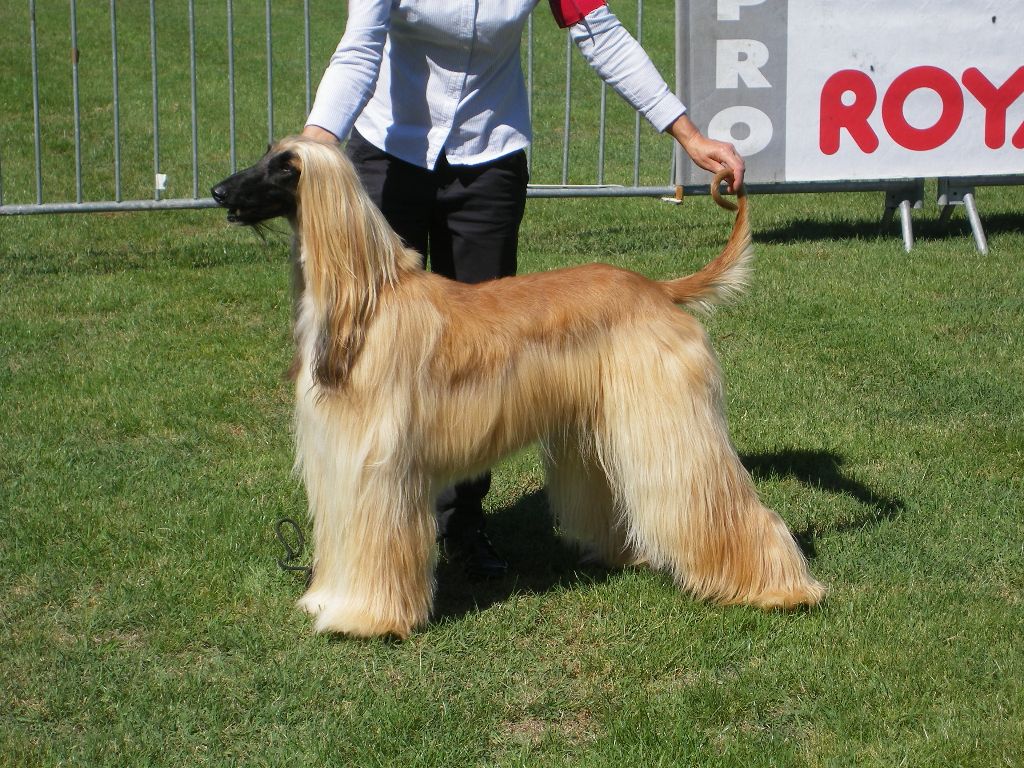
[[737, 60], [836, 112]]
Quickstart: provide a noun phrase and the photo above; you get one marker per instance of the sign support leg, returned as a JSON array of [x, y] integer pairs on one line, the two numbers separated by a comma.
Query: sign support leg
[[951, 194], [904, 199]]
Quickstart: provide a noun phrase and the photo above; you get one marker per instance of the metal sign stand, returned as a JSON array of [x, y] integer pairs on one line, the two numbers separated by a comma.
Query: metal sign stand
[[904, 199], [953, 193]]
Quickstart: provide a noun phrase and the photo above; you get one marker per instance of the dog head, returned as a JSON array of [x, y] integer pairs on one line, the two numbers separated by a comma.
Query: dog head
[[264, 191], [345, 253]]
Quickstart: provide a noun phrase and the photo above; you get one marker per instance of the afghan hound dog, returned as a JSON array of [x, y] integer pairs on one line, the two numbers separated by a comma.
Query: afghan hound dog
[[407, 382]]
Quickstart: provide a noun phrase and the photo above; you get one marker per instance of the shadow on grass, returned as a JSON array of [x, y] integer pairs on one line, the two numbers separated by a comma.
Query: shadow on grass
[[807, 229], [538, 562], [823, 470]]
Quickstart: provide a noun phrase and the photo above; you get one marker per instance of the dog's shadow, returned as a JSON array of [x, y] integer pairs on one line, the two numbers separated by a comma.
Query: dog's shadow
[[823, 470], [539, 561]]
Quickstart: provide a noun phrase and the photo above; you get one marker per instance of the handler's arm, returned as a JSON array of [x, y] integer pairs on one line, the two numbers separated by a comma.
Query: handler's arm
[[351, 75], [621, 62]]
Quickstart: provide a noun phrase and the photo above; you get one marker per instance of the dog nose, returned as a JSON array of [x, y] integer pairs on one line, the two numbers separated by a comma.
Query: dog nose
[[219, 193]]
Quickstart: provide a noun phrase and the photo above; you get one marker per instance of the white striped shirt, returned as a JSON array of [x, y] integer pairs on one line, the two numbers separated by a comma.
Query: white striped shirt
[[422, 78]]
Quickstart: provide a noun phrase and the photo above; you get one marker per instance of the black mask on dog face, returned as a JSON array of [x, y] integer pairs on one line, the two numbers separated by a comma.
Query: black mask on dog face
[[264, 191]]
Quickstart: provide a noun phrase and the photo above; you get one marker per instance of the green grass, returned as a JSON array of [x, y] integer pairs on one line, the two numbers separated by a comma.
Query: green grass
[[875, 396], [145, 456]]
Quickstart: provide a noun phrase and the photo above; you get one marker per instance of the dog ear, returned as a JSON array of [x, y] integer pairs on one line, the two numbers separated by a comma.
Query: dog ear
[[339, 342], [327, 371]]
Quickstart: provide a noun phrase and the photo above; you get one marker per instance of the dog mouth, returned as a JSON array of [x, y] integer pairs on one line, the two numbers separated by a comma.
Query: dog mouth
[[244, 216]]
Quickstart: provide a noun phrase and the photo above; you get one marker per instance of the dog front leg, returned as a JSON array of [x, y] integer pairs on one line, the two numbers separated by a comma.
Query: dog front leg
[[374, 552]]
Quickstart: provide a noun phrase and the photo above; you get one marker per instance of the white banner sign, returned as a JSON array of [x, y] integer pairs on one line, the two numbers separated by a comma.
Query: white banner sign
[[813, 90]]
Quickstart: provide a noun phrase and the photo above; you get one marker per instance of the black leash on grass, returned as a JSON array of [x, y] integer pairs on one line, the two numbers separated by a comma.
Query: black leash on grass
[[288, 562]]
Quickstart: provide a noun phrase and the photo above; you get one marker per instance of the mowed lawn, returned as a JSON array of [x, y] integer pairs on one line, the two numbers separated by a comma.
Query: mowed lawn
[[145, 457], [875, 396]]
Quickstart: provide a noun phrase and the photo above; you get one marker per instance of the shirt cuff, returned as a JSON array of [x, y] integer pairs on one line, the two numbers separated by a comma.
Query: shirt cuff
[[665, 112], [337, 120]]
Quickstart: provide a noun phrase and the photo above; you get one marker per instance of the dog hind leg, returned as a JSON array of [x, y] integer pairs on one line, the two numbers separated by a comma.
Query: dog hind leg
[[690, 505], [582, 502]]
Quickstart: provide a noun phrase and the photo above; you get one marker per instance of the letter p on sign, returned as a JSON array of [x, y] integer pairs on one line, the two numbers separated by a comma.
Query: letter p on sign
[[729, 10]]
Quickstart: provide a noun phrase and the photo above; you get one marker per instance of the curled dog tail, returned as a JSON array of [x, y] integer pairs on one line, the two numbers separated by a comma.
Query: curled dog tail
[[726, 277]]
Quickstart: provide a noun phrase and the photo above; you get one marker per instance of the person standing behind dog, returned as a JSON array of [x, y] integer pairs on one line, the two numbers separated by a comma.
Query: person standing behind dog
[[432, 96]]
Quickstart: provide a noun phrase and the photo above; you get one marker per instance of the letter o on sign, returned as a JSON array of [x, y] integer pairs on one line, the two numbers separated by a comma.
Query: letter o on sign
[[923, 139], [758, 122]]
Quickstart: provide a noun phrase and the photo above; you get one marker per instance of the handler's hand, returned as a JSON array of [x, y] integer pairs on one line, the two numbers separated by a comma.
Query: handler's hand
[[317, 133], [709, 154]]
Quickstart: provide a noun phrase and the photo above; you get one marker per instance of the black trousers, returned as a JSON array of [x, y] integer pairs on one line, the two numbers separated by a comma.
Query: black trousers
[[465, 221]]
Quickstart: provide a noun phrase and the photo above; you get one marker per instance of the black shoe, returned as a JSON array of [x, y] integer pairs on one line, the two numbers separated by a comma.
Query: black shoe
[[475, 552]]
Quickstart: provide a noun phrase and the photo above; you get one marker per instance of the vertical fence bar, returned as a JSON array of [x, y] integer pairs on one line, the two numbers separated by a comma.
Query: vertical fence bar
[[568, 109], [192, 94], [678, 158], [76, 101], [601, 132], [305, 33], [156, 100], [115, 87], [636, 117], [529, 86], [36, 132], [270, 81], [231, 86]]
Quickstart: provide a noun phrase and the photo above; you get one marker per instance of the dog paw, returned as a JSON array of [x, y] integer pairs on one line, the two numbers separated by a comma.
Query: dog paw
[[340, 616], [347, 620], [807, 594], [313, 602]]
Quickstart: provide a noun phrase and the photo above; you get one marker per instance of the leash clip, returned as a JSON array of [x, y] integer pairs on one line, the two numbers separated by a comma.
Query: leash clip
[[287, 563]]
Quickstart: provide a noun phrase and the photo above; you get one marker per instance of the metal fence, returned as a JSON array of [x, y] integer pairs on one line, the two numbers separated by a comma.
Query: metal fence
[[156, 103], [109, 127]]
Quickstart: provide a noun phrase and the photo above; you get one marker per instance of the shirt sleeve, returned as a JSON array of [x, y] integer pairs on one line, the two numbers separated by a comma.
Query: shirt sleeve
[[620, 61], [351, 74]]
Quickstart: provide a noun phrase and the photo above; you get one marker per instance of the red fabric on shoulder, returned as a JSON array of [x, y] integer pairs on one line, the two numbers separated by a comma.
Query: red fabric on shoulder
[[569, 12]]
